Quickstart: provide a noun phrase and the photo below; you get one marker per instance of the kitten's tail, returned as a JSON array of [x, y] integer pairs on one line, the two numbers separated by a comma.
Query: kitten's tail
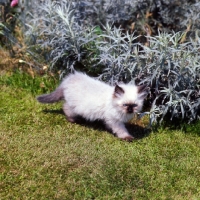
[[53, 97]]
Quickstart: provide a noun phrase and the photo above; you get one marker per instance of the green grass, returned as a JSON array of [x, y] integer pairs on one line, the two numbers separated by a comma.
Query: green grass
[[42, 156]]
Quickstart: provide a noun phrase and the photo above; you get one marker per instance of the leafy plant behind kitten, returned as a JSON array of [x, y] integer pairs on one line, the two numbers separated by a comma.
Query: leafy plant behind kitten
[[94, 100]]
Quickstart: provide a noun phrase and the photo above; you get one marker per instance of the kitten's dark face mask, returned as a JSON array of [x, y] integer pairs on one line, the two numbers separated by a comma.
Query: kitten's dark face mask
[[130, 107], [133, 102]]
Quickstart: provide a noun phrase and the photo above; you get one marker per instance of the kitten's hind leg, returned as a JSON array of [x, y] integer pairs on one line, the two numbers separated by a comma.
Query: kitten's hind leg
[[119, 129], [70, 115]]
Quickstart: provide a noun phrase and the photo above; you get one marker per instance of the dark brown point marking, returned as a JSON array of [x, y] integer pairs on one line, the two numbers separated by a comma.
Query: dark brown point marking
[[141, 88], [118, 91]]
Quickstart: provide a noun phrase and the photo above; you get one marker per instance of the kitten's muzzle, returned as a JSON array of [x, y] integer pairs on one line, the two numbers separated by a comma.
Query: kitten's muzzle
[[130, 107]]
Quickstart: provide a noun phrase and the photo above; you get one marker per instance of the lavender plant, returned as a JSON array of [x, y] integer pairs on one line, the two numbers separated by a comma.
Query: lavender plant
[[59, 35], [136, 15], [64, 33], [118, 54], [172, 70]]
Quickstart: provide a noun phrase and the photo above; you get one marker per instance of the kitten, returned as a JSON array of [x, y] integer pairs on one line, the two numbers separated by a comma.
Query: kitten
[[92, 99]]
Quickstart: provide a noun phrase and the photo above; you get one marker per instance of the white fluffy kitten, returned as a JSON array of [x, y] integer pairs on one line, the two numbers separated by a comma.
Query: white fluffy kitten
[[92, 99]]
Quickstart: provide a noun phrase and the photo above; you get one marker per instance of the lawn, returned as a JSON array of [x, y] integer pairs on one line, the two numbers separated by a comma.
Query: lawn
[[42, 156]]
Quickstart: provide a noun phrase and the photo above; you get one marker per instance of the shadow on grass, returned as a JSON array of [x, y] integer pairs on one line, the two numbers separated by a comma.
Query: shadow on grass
[[138, 132], [179, 124]]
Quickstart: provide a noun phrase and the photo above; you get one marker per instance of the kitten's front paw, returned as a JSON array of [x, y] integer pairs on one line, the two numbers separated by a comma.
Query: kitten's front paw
[[128, 138], [70, 119]]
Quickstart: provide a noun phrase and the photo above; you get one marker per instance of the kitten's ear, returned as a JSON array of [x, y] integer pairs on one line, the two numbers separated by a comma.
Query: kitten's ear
[[141, 88], [142, 91], [118, 91]]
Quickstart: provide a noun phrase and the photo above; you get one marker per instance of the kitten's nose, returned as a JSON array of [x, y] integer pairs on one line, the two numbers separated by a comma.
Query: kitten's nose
[[130, 109]]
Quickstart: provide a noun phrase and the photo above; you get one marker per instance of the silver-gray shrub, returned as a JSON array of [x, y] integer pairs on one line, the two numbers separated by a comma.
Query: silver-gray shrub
[[61, 33], [168, 15], [56, 34], [172, 70], [118, 55]]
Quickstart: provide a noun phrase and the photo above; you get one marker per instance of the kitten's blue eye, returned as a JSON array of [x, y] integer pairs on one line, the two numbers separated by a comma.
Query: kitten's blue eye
[[125, 105]]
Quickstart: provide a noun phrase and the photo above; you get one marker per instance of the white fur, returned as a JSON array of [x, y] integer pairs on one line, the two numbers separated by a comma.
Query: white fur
[[93, 99]]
